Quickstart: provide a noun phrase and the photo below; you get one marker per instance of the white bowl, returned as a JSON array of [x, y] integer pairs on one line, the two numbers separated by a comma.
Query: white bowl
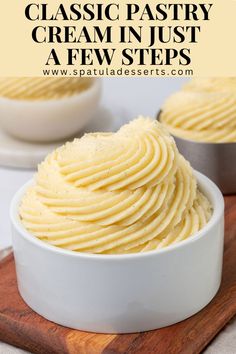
[[121, 293], [49, 120]]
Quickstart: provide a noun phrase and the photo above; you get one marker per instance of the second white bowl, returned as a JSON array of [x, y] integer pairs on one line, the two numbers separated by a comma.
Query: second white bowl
[[49, 120]]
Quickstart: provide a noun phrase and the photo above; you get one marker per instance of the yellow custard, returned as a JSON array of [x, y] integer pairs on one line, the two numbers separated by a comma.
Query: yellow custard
[[42, 88], [112, 193], [204, 110]]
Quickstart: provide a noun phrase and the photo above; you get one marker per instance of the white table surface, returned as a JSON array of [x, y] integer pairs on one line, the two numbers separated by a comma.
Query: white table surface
[[126, 99]]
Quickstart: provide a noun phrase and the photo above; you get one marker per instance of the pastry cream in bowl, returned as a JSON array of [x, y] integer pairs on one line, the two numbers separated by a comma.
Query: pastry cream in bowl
[[117, 233], [126, 192], [45, 109], [202, 119], [42, 88], [204, 111]]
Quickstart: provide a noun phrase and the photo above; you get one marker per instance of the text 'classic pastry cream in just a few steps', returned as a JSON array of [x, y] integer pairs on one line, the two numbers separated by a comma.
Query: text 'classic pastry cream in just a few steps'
[[123, 192]]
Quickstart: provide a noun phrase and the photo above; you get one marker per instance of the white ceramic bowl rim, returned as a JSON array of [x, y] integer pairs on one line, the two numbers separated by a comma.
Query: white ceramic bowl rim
[[94, 85], [205, 184]]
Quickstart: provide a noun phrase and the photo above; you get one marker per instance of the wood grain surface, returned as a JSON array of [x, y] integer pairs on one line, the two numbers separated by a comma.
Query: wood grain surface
[[21, 327]]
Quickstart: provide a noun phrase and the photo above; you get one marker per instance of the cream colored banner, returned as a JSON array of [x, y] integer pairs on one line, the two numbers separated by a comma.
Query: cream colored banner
[[118, 38]]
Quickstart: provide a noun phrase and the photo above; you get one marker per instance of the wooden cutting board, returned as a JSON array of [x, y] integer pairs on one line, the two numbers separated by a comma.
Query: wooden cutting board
[[21, 327]]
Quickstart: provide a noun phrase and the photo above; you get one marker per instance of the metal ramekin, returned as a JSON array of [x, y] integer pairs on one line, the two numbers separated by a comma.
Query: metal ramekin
[[216, 160]]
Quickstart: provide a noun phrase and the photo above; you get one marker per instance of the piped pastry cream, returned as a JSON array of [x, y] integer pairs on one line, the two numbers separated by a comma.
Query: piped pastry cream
[[42, 88], [204, 110], [115, 193]]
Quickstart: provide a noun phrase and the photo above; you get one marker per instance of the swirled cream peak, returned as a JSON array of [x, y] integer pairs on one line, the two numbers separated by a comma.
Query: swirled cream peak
[[42, 88], [204, 110], [110, 193]]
